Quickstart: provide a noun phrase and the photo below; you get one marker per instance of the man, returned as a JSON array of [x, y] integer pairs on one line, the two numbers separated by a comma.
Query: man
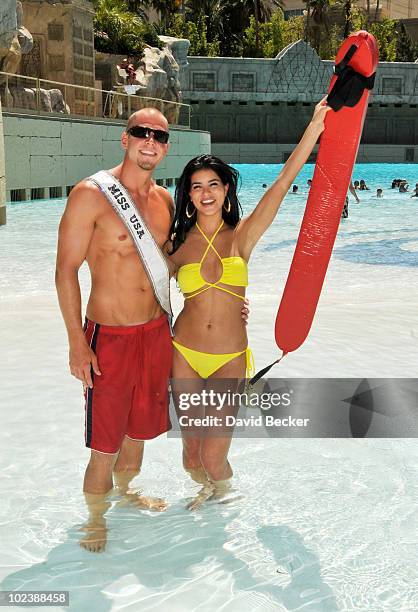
[[121, 300], [123, 355], [403, 186], [344, 214], [128, 65]]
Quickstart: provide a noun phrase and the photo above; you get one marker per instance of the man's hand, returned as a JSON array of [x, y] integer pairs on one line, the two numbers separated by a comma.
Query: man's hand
[[245, 311], [82, 359]]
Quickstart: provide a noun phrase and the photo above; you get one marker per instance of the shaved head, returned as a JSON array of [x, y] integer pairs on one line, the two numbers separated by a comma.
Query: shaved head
[[150, 116]]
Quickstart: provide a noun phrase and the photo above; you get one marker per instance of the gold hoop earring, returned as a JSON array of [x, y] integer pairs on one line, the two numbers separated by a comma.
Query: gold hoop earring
[[229, 205], [188, 215]]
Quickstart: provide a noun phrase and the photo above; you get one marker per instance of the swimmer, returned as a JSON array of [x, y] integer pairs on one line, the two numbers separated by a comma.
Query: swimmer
[[309, 181], [363, 186], [264, 185], [295, 189], [379, 193], [403, 187], [415, 191], [344, 214], [356, 185]]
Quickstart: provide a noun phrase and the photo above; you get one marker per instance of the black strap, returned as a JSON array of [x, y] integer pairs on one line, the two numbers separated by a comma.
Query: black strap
[[261, 373], [349, 84]]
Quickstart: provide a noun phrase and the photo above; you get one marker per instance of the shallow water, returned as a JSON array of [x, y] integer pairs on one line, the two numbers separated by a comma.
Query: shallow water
[[318, 525]]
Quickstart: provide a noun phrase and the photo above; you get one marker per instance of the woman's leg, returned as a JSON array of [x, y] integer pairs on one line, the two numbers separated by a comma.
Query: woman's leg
[[215, 448], [186, 380]]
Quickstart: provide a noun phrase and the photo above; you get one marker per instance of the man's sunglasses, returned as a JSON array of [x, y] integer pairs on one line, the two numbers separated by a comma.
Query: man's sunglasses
[[139, 131]]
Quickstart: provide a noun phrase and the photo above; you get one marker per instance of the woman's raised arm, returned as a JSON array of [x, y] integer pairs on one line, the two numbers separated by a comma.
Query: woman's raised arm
[[256, 223]]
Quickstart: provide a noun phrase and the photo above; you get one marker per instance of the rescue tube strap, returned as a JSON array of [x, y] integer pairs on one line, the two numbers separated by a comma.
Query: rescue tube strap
[[261, 373], [349, 85]]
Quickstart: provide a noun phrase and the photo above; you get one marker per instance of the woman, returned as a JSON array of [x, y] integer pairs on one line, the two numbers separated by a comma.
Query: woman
[[210, 249]]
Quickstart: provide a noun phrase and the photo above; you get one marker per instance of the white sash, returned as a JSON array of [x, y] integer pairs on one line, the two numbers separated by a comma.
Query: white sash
[[150, 253]]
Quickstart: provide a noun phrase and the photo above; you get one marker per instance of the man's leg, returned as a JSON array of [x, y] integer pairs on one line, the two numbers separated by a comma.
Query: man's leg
[[127, 466], [128, 463], [97, 487]]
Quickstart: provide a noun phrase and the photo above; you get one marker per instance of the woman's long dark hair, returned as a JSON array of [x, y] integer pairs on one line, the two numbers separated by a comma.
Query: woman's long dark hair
[[228, 175]]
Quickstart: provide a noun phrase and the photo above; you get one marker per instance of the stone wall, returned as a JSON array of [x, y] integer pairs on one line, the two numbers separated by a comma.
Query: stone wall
[[63, 46], [247, 153], [46, 156]]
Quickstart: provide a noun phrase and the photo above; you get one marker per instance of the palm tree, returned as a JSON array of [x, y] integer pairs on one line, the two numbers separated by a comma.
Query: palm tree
[[113, 23], [212, 11], [257, 24], [166, 9], [317, 9], [137, 7], [261, 10], [347, 17]]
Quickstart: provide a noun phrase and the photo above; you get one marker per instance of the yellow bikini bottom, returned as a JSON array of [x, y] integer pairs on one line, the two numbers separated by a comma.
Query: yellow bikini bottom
[[206, 364]]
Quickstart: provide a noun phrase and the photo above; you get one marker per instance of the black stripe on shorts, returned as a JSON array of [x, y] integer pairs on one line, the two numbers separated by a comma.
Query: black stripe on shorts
[[89, 416]]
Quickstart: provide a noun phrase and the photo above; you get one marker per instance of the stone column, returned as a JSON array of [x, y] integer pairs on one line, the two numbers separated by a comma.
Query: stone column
[[2, 175]]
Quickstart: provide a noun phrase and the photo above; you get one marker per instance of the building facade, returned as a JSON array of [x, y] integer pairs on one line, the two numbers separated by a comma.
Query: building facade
[[394, 9], [255, 109], [63, 47]]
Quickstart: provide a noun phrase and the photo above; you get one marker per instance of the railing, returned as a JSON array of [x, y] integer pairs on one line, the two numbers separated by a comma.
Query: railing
[[23, 93]]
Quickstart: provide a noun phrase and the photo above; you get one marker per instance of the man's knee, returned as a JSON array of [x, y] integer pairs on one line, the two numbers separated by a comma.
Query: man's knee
[[130, 455], [102, 460]]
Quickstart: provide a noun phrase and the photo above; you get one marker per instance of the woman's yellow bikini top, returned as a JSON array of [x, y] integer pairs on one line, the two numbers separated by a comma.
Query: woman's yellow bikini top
[[234, 272]]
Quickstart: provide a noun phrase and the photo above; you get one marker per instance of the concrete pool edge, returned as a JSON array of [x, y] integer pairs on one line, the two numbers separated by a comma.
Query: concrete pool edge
[[2, 174]]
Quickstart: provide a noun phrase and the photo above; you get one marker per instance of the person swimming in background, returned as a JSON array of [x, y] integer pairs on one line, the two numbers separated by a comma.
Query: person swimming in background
[[379, 193], [363, 186], [396, 183], [356, 185], [344, 214], [209, 251], [295, 189], [403, 186], [264, 185], [415, 191], [309, 181]]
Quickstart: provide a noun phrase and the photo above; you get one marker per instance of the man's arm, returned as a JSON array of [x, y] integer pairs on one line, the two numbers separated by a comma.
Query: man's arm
[[353, 192], [75, 232]]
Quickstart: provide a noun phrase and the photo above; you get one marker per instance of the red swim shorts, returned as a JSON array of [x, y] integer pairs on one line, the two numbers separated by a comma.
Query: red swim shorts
[[130, 398]]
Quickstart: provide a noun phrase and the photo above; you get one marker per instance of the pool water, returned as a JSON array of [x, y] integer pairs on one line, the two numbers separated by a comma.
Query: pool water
[[318, 525]]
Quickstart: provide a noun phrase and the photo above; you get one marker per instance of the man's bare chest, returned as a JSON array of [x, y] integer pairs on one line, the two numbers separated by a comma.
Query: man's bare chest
[[111, 232]]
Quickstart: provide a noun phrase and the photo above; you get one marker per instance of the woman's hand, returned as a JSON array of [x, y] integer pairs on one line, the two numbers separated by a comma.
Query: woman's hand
[[321, 109]]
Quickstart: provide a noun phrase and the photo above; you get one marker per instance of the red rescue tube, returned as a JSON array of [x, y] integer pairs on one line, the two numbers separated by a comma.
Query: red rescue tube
[[336, 156]]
